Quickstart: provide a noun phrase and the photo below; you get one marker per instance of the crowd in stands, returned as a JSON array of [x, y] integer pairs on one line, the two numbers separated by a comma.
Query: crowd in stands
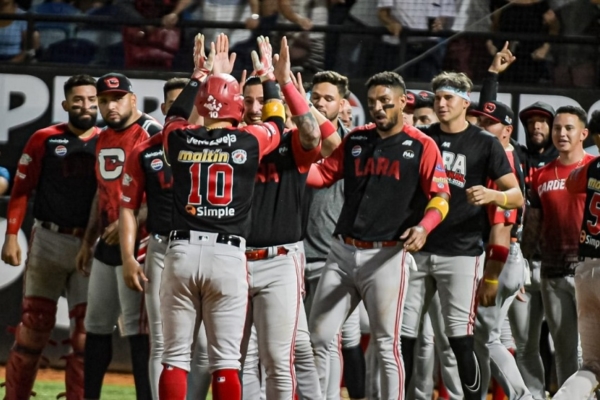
[[358, 55]]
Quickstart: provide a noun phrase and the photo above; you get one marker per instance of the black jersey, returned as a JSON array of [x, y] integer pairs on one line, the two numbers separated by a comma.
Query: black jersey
[[59, 166], [146, 172], [214, 172], [279, 193], [587, 180], [387, 182], [470, 158]]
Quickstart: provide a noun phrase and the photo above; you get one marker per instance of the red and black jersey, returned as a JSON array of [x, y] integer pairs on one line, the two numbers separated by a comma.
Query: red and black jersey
[[562, 212], [146, 172], [59, 166], [387, 182], [471, 157], [587, 180], [214, 172], [279, 193], [113, 149]]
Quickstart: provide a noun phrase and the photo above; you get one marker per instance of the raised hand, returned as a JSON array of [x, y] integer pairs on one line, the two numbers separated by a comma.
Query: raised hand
[[297, 81], [502, 60], [202, 64], [282, 70], [223, 61], [263, 64]]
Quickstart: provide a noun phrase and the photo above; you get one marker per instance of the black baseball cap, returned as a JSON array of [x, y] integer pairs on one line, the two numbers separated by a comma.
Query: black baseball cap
[[420, 99], [496, 111], [113, 82]]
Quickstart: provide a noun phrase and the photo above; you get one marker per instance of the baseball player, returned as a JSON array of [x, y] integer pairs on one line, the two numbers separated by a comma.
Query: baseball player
[[553, 206], [214, 168], [501, 281], [58, 163], [147, 174], [432, 339], [383, 163], [346, 114], [450, 260], [281, 188], [585, 180], [274, 253], [526, 316], [108, 296]]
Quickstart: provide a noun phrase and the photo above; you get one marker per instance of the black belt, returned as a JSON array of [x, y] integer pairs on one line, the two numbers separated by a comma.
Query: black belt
[[222, 238]]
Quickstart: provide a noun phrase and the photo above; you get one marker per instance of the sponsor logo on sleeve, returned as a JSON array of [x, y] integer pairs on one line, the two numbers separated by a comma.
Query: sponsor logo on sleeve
[[25, 159], [356, 150]]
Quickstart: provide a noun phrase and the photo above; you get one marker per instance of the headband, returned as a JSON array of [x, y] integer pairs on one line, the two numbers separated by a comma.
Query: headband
[[458, 92]]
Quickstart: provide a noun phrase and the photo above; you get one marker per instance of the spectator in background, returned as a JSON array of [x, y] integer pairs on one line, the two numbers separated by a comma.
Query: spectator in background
[[526, 17], [432, 16], [4, 181], [338, 13], [13, 35], [465, 53], [575, 65]]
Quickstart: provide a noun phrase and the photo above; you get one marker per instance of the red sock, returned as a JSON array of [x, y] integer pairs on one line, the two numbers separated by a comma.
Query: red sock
[[364, 342], [172, 384], [442, 391], [498, 393], [226, 385]]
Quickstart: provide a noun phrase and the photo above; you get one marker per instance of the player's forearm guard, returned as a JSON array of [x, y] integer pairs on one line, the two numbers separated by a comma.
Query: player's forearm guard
[[497, 252], [439, 204], [184, 104]]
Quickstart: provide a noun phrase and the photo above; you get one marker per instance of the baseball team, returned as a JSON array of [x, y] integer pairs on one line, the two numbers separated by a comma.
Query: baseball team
[[261, 247]]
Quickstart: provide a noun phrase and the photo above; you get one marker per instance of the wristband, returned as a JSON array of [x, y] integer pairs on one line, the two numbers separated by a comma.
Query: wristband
[[431, 219], [491, 281], [505, 200], [294, 99], [327, 129], [497, 252]]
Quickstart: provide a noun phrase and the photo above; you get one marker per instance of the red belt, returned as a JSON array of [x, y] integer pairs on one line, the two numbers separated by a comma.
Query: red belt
[[78, 232], [362, 244], [263, 254]]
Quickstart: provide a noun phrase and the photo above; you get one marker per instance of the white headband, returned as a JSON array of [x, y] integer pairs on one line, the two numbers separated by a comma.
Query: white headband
[[458, 92]]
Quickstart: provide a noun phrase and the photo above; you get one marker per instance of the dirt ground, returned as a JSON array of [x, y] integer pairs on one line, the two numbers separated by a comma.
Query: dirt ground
[[49, 374]]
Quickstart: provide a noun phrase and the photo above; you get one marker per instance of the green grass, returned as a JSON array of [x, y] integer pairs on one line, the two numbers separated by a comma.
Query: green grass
[[48, 390]]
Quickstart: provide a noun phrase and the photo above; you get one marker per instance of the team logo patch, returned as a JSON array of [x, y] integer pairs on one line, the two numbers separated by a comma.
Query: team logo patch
[[112, 82], [283, 150], [127, 179], [239, 156], [506, 213], [424, 94], [440, 168], [440, 185], [156, 164], [213, 106], [356, 150], [60, 150], [489, 107], [410, 98], [25, 159], [408, 154]]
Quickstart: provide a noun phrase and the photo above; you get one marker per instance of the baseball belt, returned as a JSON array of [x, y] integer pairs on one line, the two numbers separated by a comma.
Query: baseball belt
[[223, 238], [362, 244], [78, 232], [263, 254]]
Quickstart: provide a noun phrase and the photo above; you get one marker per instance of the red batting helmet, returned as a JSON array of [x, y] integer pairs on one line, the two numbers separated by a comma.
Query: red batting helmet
[[219, 98]]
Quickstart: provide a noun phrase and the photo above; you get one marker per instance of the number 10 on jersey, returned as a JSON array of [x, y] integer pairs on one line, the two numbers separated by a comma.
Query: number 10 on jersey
[[215, 180]]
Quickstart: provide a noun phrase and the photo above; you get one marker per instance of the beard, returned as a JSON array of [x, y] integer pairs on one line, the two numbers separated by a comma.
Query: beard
[[535, 147], [385, 127], [83, 122], [120, 124]]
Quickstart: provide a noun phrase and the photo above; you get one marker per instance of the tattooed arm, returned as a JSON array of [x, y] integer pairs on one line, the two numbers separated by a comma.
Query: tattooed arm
[[308, 127]]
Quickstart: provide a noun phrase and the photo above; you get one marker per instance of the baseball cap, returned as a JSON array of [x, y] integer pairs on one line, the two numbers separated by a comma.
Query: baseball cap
[[113, 82], [420, 99], [496, 111]]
